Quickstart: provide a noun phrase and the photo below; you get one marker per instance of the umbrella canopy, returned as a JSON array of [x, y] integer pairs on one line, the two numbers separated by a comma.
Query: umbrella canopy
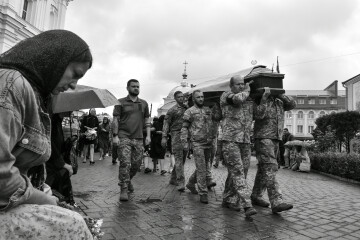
[[296, 143], [83, 97]]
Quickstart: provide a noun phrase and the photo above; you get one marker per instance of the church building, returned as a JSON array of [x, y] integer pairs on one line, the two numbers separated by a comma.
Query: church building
[[21, 19]]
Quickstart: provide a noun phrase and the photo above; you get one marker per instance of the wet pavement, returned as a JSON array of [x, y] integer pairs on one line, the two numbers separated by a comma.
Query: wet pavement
[[324, 208]]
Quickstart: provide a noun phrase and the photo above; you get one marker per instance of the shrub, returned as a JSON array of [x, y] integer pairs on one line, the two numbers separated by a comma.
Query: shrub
[[338, 164]]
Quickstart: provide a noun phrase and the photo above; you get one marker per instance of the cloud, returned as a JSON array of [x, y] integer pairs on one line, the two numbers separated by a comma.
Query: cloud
[[150, 40]]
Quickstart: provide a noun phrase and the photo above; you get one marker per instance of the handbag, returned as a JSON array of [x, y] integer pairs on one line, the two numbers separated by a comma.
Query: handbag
[[90, 134]]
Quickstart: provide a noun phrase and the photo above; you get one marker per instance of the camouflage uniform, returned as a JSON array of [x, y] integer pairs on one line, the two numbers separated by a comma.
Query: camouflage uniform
[[198, 122], [129, 121], [173, 123], [130, 153], [268, 131], [237, 110]]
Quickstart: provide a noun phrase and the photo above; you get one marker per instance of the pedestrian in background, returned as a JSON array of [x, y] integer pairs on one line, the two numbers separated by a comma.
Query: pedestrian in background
[[197, 127], [172, 124], [89, 128], [130, 118], [157, 152], [284, 152], [48, 63], [103, 138], [59, 169], [219, 152], [268, 130], [237, 110]]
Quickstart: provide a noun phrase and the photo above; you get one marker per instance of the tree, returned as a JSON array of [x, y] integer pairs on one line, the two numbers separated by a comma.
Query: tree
[[343, 127]]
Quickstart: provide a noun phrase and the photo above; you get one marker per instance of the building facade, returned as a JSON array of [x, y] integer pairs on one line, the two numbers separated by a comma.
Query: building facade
[[169, 101], [352, 87], [312, 104], [21, 19]]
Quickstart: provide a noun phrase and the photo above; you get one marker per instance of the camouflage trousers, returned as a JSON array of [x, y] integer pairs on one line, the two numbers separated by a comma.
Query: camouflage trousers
[[180, 156], [267, 151], [237, 157], [130, 154], [202, 174]]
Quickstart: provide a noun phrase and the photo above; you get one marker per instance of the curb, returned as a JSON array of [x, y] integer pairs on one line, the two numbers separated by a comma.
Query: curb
[[336, 177]]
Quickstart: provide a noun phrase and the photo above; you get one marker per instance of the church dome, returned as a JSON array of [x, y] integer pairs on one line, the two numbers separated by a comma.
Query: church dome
[[184, 87]]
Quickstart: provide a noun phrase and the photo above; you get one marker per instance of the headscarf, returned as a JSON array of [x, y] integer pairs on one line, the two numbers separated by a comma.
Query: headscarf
[[43, 59], [107, 121]]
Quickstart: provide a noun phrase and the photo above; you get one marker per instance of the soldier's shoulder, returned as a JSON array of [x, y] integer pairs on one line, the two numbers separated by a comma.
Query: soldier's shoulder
[[144, 102]]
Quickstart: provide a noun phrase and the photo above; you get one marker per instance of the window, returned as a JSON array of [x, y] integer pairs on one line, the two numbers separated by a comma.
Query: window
[[333, 101], [322, 113], [299, 128], [288, 114], [289, 127], [25, 8], [311, 115], [311, 101], [322, 100], [310, 129], [300, 101], [300, 115]]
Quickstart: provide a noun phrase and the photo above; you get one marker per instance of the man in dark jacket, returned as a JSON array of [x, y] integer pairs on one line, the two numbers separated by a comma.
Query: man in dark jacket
[[284, 152]]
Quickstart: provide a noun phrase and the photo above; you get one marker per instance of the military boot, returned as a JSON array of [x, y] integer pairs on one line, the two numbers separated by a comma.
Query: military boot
[[192, 188], [282, 207], [204, 198], [249, 211], [259, 202], [130, 187], [124, 194], [211, 184], [181, 187], [233, 206]]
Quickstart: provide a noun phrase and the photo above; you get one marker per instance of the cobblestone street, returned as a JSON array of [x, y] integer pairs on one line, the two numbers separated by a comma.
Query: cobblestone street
[[324, 208]]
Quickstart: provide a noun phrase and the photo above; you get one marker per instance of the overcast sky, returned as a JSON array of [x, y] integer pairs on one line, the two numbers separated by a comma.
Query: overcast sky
[[317, 41]]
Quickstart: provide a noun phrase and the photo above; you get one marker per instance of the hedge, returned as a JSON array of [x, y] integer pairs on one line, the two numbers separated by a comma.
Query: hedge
[[338, 164]]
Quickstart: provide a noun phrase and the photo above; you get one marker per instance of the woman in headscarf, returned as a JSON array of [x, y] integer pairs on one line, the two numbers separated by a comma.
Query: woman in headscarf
[[104, 137], [89, 127], [48, 63]]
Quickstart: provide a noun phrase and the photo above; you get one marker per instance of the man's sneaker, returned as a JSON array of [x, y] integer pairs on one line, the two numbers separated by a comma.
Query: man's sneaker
[[260, 202], [233, 206], [147, 170], [216, 165], [106, 155], [173, 182], [124, 195], [130, 188], [192, 188], [282, 207], [249, 211], [100, 159], [204, 198]]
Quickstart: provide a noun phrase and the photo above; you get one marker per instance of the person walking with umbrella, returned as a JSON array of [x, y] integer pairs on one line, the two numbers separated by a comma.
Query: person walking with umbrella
[[130, 118]]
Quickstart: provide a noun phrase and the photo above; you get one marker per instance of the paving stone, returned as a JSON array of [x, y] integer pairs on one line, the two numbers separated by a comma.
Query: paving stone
[[324, 208]]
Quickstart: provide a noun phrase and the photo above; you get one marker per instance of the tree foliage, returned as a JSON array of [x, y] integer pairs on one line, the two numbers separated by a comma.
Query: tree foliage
[[337, 129]]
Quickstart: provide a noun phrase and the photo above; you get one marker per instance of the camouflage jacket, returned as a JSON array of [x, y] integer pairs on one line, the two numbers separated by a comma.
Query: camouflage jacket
[[237, 116], [199, 123], [269, 120], [173, 120]]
